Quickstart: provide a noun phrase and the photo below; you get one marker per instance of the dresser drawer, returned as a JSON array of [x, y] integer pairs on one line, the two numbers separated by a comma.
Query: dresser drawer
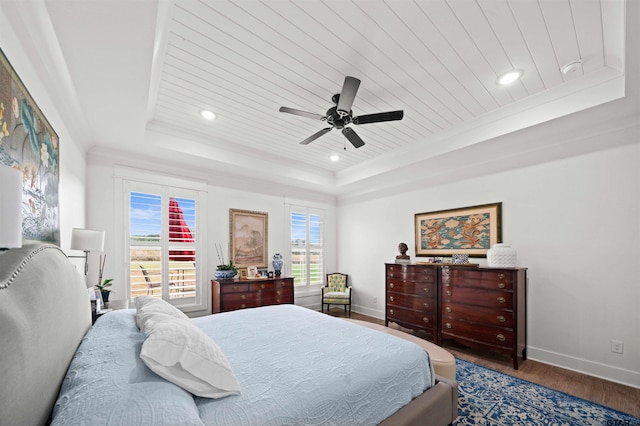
[[275, 299], [407, 316], [472, 296], [490, 279], [495, 317], [477, 332], [283, 284], [234, 288], [426, 304], [261, 286], [412, 273], [411, 287]]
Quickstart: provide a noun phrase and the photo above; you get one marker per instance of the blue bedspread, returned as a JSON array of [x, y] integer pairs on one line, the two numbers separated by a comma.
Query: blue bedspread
[[294, 365]]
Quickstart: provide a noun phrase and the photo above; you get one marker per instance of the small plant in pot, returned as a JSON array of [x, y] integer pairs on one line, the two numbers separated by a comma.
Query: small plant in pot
[[224, 271], [104, 291]]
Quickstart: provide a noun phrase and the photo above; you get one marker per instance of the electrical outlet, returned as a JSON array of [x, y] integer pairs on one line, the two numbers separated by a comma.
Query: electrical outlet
[[616, 346], [375, 299]]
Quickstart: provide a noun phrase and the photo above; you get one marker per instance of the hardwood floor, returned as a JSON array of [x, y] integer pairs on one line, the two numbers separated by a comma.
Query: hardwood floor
[[619, 397]]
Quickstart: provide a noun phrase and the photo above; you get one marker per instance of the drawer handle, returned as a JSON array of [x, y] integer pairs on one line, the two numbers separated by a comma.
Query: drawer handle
[[448, 292], [235, 287], [391, 298], [243, 297], [262, 286], [425, 319], [243, 306], [426, 289], [448, 309], [501, 318], [277, 300], [500, 276], [501, 299], [391, 285], [278, 292], [390, 311], [501, 285], [426, 305], [501, 337], [448, 325]]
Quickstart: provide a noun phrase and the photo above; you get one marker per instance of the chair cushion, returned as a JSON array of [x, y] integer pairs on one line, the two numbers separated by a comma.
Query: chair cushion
[[336, 295]]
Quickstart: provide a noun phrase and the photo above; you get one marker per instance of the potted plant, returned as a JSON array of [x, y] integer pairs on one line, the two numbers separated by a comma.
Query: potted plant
[[102, 285], [224, 271], [104, 291]]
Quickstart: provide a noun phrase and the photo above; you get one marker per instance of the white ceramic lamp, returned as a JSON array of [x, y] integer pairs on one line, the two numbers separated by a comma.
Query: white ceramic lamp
[[10, 207], [87, 240]]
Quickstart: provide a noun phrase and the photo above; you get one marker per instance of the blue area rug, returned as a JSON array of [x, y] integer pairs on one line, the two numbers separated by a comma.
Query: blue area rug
[[488, 397]]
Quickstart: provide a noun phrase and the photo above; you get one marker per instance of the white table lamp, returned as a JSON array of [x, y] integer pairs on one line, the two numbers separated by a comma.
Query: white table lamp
[[86, 240], [10, 207]]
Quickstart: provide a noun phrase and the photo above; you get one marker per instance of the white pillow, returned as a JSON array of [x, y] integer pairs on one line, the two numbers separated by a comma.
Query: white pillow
[[181, 353], [148, 306]]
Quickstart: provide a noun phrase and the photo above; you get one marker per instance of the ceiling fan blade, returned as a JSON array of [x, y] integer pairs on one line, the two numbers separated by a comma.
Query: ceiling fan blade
[[353, 137], [378, 117], [315, 136], [302, 113], [348, 94]]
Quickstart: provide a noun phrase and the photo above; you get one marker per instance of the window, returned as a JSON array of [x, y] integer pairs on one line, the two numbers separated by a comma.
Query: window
[[307, 246], [163, 243]]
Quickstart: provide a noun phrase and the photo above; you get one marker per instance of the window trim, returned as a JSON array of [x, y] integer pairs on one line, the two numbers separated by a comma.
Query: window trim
[[124, 179]]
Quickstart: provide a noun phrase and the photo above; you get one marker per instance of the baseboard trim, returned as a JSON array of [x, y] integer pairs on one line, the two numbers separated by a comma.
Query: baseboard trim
[[375, 313], [591, 368]]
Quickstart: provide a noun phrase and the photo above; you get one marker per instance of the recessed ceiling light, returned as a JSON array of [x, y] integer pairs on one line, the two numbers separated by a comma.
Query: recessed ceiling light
[[572, 67], [509, 77], [334, 157], [207, 115]]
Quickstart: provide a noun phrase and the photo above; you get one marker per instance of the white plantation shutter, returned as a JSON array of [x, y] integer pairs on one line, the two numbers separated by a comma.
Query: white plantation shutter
[[307, 246], [163, 243]]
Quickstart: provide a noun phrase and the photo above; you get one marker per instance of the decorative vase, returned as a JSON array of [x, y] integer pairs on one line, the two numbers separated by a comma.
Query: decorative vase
[[502, 256], [225, 274], [105, 296], [277, 264]]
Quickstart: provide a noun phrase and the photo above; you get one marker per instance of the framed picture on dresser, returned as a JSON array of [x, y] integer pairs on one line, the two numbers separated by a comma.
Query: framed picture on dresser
[[467, 230]]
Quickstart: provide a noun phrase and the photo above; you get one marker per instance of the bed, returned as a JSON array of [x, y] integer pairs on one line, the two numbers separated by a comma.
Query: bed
[[274, 365]]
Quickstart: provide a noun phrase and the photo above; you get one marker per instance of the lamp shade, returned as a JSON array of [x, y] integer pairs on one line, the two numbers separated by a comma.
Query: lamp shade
[[87, 240], [10, 207]]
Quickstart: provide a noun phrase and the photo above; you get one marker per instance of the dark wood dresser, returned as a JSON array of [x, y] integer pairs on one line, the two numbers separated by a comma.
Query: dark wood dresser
[[479, 307], [239, 294], [485, 308], [411, 295]]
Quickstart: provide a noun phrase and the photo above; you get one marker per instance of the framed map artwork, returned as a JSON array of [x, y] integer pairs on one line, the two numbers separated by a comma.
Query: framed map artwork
[[468, 230]]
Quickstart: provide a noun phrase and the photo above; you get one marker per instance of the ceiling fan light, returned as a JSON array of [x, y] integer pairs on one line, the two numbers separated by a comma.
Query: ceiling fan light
[[207, 115], [509, 77]]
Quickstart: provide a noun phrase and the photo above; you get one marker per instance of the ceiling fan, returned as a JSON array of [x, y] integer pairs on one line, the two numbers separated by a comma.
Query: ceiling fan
[[339, 115]]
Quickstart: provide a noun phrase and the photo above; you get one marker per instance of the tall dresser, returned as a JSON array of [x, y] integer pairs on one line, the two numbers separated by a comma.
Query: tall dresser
[[477, 306], [411, 297], [485, 308], [239, 294]]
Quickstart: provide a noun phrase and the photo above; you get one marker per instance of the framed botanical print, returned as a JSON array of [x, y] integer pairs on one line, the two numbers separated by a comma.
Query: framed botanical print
[[468, 230]]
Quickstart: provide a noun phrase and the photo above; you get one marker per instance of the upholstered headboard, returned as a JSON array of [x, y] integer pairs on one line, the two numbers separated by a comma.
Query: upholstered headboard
[[44, 314]]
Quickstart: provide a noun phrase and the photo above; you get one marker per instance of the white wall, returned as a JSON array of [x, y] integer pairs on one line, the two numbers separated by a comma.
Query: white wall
[[575, 224], [72, 155], [105, 209]]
